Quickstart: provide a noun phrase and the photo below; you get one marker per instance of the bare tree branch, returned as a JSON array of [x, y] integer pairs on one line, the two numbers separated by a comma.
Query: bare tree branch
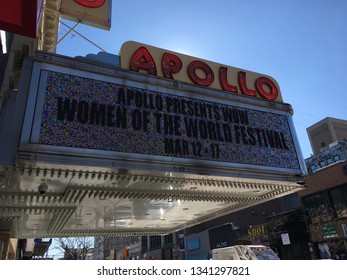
[[75, 248]]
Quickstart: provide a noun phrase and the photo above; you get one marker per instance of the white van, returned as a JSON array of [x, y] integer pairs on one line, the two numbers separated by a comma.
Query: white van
[[244, 252]]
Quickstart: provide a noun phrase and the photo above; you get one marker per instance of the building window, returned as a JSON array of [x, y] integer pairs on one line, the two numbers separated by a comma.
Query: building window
[[336, 158], [155, 242], [144, 243], [329, 161], [254, 212], [339, 200], [322, 163], [168, 239], [314, 167], [263, 213], [193, 244]]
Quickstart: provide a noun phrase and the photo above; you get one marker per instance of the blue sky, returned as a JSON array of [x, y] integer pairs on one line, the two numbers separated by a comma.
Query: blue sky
[[302, 44]]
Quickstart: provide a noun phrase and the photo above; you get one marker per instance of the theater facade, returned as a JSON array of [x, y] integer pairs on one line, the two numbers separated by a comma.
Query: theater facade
[[145, 143]]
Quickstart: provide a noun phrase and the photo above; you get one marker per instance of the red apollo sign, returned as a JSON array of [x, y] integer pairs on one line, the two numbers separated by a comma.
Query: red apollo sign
[[157, 62]]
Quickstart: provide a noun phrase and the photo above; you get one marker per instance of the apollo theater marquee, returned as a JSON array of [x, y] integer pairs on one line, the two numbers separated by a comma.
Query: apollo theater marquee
[[156, 143]]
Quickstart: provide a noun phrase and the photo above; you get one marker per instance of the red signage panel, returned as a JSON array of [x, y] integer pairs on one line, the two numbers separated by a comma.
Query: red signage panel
[[20, 16]]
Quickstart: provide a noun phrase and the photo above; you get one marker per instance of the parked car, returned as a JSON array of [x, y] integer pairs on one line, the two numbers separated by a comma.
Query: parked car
[[263, 252]]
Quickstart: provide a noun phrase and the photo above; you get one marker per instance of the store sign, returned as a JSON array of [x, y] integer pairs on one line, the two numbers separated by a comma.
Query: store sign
[[285, 238], [256, 231], [329, 231], [20, 16], [221, 236], [91, 114], [92, 12], [162, 63]]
